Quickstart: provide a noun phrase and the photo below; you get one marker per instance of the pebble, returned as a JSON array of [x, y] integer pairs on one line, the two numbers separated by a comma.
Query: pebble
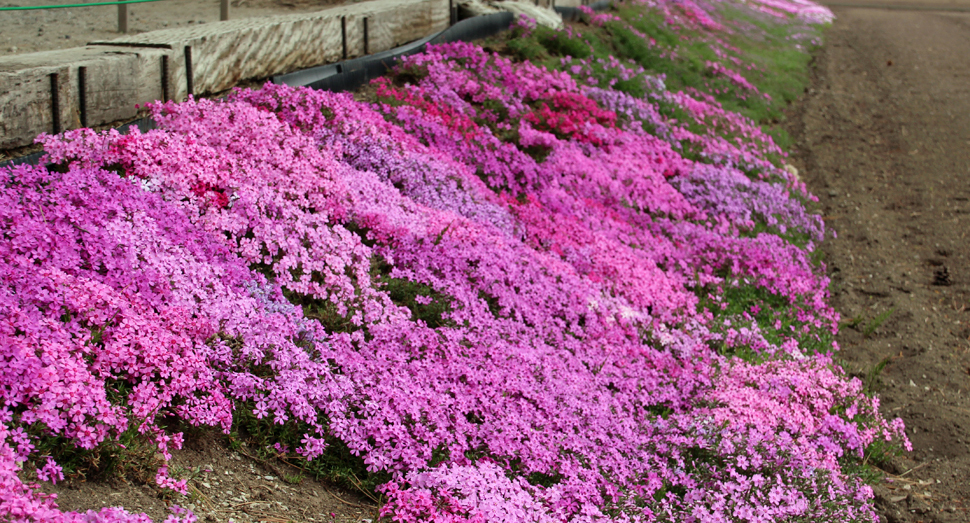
[[13, 49]]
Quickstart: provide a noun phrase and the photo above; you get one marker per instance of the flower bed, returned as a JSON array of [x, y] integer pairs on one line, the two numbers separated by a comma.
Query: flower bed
[[515, 293]]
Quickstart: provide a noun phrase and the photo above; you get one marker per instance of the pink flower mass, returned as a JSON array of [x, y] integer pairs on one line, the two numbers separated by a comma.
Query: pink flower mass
[[594, 325]]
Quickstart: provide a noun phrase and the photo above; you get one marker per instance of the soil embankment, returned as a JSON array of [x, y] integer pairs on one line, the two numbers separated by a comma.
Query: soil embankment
[[883, 138]]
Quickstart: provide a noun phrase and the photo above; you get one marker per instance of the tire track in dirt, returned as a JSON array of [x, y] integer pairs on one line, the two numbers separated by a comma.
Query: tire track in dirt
[[883, 138]]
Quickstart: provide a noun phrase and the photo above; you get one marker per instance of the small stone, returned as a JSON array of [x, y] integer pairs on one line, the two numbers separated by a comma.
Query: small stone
[[205, 485], [13, 49], [269, 478], [833, 193], [941, 277], [897, 499]]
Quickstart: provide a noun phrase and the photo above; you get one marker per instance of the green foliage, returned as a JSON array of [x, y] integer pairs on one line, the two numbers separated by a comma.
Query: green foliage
[[540, 479], [779, 66], [324, 311], [294, 479], [870, 328], [775, 316], [131, 457], [871, 379], [338, 464], [405, 292], [867, 468]]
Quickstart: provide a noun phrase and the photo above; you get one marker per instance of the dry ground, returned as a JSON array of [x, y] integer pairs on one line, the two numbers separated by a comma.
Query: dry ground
[[883, 138]]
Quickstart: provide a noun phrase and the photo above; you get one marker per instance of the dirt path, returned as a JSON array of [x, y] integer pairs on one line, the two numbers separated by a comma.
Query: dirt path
[[883, 137]]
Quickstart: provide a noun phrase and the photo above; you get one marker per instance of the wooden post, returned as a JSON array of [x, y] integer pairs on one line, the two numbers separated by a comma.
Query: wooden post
[[343, 34], [55, 104], [366, 39], [223, 10], [123, 18], [188, 69], [165, 78], [82, 94]]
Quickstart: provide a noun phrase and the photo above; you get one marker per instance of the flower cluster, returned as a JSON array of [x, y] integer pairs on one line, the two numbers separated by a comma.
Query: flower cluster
[[118, 312], [521, 296]]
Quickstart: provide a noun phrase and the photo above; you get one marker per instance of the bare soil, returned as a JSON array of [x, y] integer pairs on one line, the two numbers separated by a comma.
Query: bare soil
[[224, 485], [49, 29], [883, 138]]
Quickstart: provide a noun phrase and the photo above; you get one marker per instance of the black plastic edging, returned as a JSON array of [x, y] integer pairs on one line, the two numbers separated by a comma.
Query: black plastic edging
[[143, 124], [30, 159], [475, 28], [351, 74], [572, 14]]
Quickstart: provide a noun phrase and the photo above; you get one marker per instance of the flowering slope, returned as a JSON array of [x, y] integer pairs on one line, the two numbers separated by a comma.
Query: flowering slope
[[514, 296]]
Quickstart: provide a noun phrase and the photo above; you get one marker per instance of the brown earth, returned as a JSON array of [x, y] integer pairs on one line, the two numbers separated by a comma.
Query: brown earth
[[224, 485], [49, 29], [883, 138]]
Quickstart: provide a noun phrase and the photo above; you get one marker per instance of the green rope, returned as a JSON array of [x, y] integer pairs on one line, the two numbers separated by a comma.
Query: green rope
[[73, 5]]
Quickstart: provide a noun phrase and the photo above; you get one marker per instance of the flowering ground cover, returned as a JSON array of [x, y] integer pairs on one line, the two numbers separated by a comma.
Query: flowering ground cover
[[567, 289]]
